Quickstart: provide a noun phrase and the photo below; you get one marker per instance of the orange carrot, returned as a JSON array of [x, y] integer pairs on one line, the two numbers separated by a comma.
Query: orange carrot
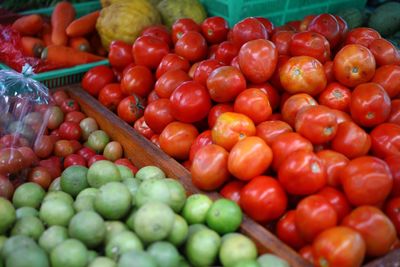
[[32, 47], [83, 26], [96, 45], [46, 34], [28, 25], [67, 56], [63, 15], [80, 44]]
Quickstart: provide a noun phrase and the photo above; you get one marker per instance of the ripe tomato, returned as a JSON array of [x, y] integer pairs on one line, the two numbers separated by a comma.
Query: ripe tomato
[[74, 116], [202, 140], [70, 131], [388, 77], [127, 163], [334, 163], [30, 158], [215, 29], [303, 74], [257, 60], [74, 159], [96, 78], [392, 210], [43, 146], [59, 96], [385, 52], [269, 26], [272, 93], [286, 230], [130, 108], [294, 104], [152, 97], [305, 22], [6, 187], [341, 116], [53, 166], [225, 83], [282, 40], [172, 62], [351, 140], [86, 153], [182, 26], [226, 51], [120, 54], [254, 103], [260, 206], [217, 110], [155, 139], [111, 95], [63, 148], [231, 127], [248, 29], [11, 161], [142, 128], [40, 176], [177, 138], [231, 190], [339, 246], [159, 31], [95, 158], [375, 227], [169, 81], [204, 70], [343, 27], [362, 36], [306, 253], [137, 80], [310, 44], [148, 51], [338, 201], [367, 180], [328, 26], [69, 105], [394, 116], [269, 130], [386, 140], [394, 166], [209, 167], [336, 96], [328, 68], [192, 46], [158, 114]]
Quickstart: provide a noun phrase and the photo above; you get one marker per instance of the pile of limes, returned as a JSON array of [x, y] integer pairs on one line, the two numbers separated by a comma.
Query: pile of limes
[[104, 216]]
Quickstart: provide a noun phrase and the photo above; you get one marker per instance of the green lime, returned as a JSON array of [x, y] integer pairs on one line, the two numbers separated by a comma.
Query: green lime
[[177, 194], [50, 196], [121, 243], [179, 232], [92, 255], [102, 172], [70, 253], [88, 227], [84, 203], [113, 201], [149, 172], [164, 253], [113, 228], [32, 256], [29, 226], [132, 184], [88, 192], [236, 248], [196, 208], [98, 140], [183, 262], [202, 247], [194, 228], [102, 262], [53, 236], [248, 263], [267, 260], [7, 215], [224, 216], [136, 259], [130, 221], [3, 240], [73, 180], [26, 212], [16, 242], [125, 172], [28, 195], [56, 212], [55, 185]]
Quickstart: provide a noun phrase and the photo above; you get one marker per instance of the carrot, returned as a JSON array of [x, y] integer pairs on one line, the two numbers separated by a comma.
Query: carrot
[[96, 45], [31, 46], [67, 56], [83, 26], [46, 34], [80, 44], [28, 25], [63, 15]]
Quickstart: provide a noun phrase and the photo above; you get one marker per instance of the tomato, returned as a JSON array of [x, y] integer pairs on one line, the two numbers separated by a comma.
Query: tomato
[[137, 80], [120, 54], [95, 158], [260, 206], [152, 97], [248, 29], [6, 187], [74, 116], [130, 108], [254, 103], [86, 153], [305, 22], [172, 62], [142, 128], [394, 166], [43, 146], [40, 176], [182, 26], [303, 74], [287, 232], [302, 173], [392, 210], [273, 94], [328, 68], [306, 253], [225, 83], [159, 31], [88, 126], [294, 104], [193, 69], [192, 46], [217, 110], [177, 138], [190, 102], [235, 62], [394, 116], [11, 161], [158, 114], [328, 26], [96, 78], [385, 52], [9, 140], [131, 65], [362, 36], [231, 190], [74, 159], [169, 81], [59, 96], [294, 25], [127, 163], [69, 105], [282, 40], [336, 96], [338, 201], [310, 44], [63, 148], [343, 27], [386, 140], [388, 77], [113, 151], [339, 246], [209, 167], [201, 140], [148, 51], [204, 70], [367, 180], [30, 158], [215, 29], [269, 26], [76, 145], [111, 95], [375, 227], [226, 51], [269, 130], [334, 163], [70, 131], [155, 139]]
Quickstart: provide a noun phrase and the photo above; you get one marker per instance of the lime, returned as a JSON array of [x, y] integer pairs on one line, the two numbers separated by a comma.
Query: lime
[[88, 227], [26, 211], [102, 262], [125, 172], [92, 255], [224, 216], [102, 172], [3, 240], [50, 196], [113, 201], [248, 263], [32, 256], [196, 208], [149, 172], [30, 226], [194, 228], [7, 215], [73, 180], [153, 221], [88, 192], [202, 247], [183, 262], [17, 242], [28, 195], [136, 259], [179, 232], [121, 243], [236, 248], [113, 228], [70, 253], [177, 194], [130, 221], [84, 203], [98, 140], [267, 260], [132, 184], [56, 212], [164, 253], [55, 185], [53, 236]]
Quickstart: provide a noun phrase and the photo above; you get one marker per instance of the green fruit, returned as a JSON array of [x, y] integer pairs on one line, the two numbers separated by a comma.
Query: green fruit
[[102, 172], [353, 16], [137, 259], [164, 253], [149, 172], [88, 227], [26, 212], [237, 248], [55, 185], [56, 212], [102, 262], [132, 184], [28, 195], [196, 208], [113, 228], [130, 221], [386, 18], [3, 240], [179, 232], [84, 203], [88, 192], [52, 237], [248, 263], [70, 253], [29, 226], [202, 247], [194, 228], [224, 216], [125, 172], [172, 10], [113, 201], [50, 196], [73, 180], [267, 260], [7, 215], [121, 243], [32, 256], [16, 242], [98, 140], [92, 255]]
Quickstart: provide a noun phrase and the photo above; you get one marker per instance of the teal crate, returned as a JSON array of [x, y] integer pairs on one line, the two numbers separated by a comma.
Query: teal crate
[[278, 11]]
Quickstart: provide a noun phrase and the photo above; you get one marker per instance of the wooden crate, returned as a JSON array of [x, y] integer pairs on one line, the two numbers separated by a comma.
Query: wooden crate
[[142, 153]]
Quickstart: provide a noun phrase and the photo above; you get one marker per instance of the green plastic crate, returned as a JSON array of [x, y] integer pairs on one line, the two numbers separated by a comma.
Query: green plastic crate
[[278, 11]]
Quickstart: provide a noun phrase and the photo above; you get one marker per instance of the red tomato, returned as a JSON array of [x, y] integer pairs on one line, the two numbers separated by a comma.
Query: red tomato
[[217, 110], [225, 83], [275, 79], [172, 62], [191, 46], [362, 36], [95, 158], [328, 68], [287, 232], [338, 201], [155, 139], [254, 103], [303, 74], [385, 52], [336, 96], [282, 40], [127, 163], [334, 163], [248, 29], [235, 62], [40, 176], [6, 187], [305, 22], [130, 108], [341, 116], [86, 153], [74, 159], [43, 146], [137, 80], [328, 26], [394, 116], [306, 253], [310, 44], [269, 130], [204, 70], [193, 69], [30, 158], [394, 166], [158, 114], [142, 128], [63, 148], [149, 51], [70, 131], [294, 104], [152, 97], [74, 116], [201, 140], [215, 29], [375, 227], [52, 165], [120, 54], [96, 78], [260, 206], [388, 77], [11, 161], [386, 140], [159, 31], [111, 95], [209, 167], [269, 26], [226, 51], [69, 105], [273, 94], [125, 70], [169, 81], [177, 138], [392, 210], [59, 96], [76, 145], [343, 27], [339, 246], [231, 190], [182, 26]]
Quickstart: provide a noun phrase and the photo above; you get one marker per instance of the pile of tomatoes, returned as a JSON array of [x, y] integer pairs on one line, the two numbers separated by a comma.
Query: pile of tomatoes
[[300, 124]]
